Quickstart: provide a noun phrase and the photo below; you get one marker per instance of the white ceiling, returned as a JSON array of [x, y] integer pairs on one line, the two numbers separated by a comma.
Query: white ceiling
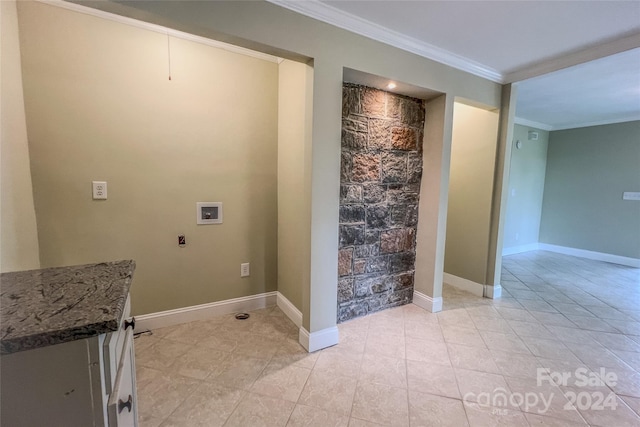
[[512, 41], [602, 91]]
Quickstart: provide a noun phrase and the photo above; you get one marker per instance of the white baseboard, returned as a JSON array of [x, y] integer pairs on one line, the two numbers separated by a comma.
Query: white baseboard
[[289, 310], [492, 292], [597, 256], [519, 249], [312, 342], [178, 316], [464, 284], [430, 304], [318, 340]]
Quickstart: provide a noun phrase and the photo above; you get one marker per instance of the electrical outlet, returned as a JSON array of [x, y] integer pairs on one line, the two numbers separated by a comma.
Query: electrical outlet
[[99, 190], [244, 269]]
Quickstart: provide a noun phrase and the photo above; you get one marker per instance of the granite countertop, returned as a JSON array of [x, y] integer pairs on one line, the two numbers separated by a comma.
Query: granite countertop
[[55, 305]]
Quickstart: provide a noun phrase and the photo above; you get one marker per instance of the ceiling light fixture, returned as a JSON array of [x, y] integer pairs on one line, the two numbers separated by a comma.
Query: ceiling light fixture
[[391, 85]]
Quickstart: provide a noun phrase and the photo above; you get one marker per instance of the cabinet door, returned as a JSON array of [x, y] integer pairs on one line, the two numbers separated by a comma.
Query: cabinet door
[[113, 347], [50, 386], [122, 406]]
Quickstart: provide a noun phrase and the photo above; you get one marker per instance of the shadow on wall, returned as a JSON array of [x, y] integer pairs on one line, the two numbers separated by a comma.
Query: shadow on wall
[[381, 168]]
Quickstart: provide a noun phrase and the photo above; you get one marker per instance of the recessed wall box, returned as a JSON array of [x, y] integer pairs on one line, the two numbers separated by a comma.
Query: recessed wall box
[[209, 213]]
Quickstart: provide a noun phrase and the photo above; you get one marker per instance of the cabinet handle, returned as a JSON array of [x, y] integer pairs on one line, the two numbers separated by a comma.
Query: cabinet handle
[[127, 404], [131, 323]]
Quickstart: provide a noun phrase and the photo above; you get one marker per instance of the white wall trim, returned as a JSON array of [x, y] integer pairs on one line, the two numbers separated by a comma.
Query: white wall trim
[[464, 284], [492, 292], [318, 340], [432, 305], [532, 124], [569, 60], [334, 16], [576, 125], [519, 249], [597, 256], [163, 319], [289, 309], [159, 29]]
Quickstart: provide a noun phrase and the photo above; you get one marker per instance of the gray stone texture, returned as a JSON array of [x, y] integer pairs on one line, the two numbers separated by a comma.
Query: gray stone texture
[[366, 251], [380, 179], [374, 102], [345, 289], [394, 167], [356, 124], [377, 264], [359, 266], [414, 168], [374, 193], [379, 134], [402, 262], [351, 214], [371, 237], [377, 216], [350, 194], [351, 235], [354, 140]]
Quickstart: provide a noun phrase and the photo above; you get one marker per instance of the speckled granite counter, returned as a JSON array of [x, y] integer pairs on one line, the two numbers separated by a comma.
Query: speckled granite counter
[[55, 305]]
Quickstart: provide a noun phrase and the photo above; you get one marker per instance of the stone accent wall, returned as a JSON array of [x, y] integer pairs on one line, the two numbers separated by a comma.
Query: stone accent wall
[[380, 175]]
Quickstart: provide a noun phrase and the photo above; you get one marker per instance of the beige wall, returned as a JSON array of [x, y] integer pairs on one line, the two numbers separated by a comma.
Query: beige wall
[[293, 160], [267, 27], [473, 155], [434, 190], [100, 106], [19, 240]]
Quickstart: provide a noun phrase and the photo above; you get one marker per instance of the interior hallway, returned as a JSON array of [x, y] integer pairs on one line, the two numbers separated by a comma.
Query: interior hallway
[[405, 366]]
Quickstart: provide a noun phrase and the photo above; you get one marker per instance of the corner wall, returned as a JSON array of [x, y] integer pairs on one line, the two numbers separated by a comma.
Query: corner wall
[[19, 239], [473, 157], [526, 189], [588, 169], [294, 147]]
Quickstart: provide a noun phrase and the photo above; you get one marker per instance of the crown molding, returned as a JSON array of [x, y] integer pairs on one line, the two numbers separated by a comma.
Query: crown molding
[[575, 125], [576, 58], [630, 118], [331, 15], [532, 124], [159, 29]]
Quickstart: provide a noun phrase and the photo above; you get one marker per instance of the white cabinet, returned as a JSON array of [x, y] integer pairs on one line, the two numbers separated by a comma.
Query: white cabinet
[[121, 409], [84, 382]]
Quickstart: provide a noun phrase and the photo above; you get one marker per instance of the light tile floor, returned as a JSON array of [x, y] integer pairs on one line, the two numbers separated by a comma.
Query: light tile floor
[[474, 364]]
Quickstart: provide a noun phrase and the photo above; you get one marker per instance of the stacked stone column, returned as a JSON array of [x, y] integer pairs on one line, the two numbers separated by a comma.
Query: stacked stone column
[[381, 168]]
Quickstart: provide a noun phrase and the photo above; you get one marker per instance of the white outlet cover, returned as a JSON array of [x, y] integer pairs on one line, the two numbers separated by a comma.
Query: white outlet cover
[[99, 190]]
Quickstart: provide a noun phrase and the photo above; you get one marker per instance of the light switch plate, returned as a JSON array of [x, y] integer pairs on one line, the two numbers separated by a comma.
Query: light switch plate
[[99, 190], [244, 270]]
